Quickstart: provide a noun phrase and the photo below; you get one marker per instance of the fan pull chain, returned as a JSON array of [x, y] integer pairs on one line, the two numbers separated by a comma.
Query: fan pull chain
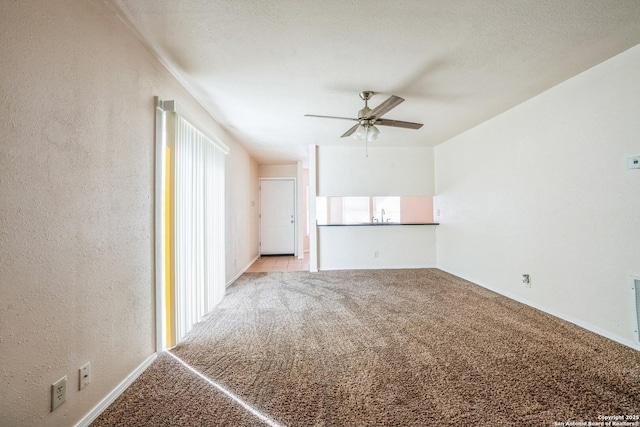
[[366, 140]]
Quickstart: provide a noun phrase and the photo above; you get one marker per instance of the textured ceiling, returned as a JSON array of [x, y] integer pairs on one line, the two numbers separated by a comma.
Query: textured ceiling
[[258, 66]]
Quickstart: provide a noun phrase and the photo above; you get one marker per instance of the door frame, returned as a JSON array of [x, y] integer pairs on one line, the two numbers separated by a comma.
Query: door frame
[[295, 212], [159, 235]]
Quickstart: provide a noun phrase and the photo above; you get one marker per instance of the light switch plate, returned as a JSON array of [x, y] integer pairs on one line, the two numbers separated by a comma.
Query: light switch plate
[[633, 162], [85, 375]]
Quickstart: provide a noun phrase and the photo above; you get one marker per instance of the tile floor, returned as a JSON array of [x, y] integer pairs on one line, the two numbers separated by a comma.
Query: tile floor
[[266, 264]]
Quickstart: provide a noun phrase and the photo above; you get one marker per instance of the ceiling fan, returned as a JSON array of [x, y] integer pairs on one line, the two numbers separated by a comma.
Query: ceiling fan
[[368, 118]]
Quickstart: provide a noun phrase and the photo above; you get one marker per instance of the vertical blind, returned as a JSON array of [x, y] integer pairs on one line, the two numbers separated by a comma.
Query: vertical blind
[[199, 226]]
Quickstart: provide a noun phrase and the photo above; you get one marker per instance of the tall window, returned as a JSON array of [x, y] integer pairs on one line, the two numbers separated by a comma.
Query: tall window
[[355, 210], [195, 233], [391, 207]]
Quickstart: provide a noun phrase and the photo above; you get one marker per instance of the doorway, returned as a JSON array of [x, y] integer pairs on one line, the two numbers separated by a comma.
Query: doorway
[[277, 216]]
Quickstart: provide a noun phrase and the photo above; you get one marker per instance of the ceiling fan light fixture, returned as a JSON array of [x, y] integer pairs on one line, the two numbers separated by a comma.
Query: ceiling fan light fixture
[[366, 131], [372, 135], [361, 132]]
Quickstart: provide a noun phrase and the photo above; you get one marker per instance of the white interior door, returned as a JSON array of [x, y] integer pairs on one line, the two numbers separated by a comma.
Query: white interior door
[[277, 217]]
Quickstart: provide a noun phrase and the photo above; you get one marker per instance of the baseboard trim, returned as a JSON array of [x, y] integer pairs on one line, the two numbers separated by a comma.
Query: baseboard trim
[[246, 267], [377, 267], [577, 322], [115, 393]]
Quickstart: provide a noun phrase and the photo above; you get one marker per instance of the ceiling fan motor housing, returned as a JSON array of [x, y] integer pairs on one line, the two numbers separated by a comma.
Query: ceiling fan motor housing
[[366, 96], [364, 113]]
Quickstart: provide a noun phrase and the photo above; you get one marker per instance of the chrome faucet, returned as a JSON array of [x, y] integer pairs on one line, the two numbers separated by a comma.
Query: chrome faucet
[[382, 215]]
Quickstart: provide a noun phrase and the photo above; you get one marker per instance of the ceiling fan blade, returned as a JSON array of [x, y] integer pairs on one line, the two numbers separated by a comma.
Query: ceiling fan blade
[[350, 131], [331, 117], [391, 102], [398, 124]]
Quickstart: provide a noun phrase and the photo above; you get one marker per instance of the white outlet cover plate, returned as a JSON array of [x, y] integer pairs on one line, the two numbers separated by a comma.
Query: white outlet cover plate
[[58, 393]]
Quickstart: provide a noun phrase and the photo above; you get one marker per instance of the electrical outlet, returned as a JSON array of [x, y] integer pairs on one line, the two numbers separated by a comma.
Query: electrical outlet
[[375, 254], [85, 375], [58, 393], [526, 280]]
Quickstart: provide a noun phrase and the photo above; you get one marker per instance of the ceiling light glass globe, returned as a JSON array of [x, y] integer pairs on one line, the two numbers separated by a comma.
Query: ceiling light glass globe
[[360, 133], [372, 135]]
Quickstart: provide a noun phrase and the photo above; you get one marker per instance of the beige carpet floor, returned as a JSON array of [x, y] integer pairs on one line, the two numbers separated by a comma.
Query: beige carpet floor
[[381, 347]]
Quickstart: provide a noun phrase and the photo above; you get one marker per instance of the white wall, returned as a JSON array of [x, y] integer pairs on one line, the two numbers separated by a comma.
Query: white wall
[[278, 171], [388, 171], [242, 205], [305, 206], [376, 247], [76, 203], [543, 189]]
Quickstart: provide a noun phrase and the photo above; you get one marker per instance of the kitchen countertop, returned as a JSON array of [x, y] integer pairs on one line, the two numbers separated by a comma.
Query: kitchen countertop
[[375, 224]]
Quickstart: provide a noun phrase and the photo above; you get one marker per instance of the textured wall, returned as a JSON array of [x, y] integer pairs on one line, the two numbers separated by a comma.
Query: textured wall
[[76, 205], [277, 171], [241, 212], [544, 189], [387, 171]]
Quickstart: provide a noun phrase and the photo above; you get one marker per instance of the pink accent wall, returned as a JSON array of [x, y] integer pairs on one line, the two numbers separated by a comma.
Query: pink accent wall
[[416, 209]]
